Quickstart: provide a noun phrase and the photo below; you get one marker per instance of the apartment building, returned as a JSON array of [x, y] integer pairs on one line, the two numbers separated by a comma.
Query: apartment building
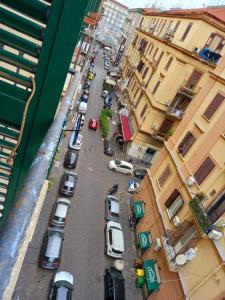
[[114, 16], [170, 58], [182, 203]]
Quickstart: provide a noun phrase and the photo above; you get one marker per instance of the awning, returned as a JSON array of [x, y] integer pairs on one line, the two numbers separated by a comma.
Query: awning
[[143, 238], [151, 276], [125, 128], [138, 209]]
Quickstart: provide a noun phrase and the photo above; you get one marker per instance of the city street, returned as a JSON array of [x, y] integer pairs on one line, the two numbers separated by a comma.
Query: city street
[[83, 248]]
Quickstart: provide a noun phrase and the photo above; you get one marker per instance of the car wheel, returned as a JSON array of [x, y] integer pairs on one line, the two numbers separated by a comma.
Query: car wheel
[[113, 169], [105, 250]]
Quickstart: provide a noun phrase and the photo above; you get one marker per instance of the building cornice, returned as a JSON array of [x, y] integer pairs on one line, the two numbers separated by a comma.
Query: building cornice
[[184, 51], [217, 77], [210, 19]]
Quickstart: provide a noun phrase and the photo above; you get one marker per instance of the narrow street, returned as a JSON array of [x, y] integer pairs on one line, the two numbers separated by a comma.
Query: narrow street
[[83, 248]]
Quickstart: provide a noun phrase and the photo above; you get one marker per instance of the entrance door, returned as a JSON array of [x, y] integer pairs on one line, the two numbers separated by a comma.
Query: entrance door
[[165, 126]]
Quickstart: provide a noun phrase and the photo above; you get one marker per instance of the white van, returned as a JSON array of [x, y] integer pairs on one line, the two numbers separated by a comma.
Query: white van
[[83, 107]]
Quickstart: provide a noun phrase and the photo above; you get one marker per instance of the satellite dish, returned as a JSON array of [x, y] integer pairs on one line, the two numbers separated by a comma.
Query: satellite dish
[[119, 264], [124, 112], [181, 259]]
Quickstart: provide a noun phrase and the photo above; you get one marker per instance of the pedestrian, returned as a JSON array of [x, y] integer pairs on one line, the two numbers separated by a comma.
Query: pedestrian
[[94, 74]]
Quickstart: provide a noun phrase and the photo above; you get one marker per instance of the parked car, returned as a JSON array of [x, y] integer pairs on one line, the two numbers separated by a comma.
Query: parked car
[[50, 254], [133, 187], [93, 124], [104, 93], [62, 286], [71, 159], [106, 67], [140, 173], [68, 184], [82, 120], [59, 212], [114, 240], [75, 143], [84, 98], [121, 166], [82, 107], [114, 284], [112, 208], [107, 148]]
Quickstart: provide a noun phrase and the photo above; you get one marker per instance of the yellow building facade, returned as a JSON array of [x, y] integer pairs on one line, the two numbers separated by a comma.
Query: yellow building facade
[[183, 197], [166, 65]]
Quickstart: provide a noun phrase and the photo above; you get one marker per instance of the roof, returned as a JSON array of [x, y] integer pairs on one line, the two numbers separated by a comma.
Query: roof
[[118, 3], [217, 13]]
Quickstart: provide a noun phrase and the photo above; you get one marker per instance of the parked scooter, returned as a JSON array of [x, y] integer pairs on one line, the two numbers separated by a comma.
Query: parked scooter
[[113, 190]]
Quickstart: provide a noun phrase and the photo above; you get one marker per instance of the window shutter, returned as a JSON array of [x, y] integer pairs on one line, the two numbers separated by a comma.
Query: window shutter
[[160, 57], [164, 176], [176, 27], [186, 143], [186, 31], [213, 106], [215, 211], [175, 235], [138, 100], [168, 63], [145, 72], [165, 126], [193, 80], [171, 198], [156, 51], [203, 171], [144, 110]]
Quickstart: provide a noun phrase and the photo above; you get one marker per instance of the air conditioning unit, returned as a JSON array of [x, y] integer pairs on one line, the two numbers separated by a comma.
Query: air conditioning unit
[[215, 235], [169, 31], [176, 221], [157, 244], [190, 181], [154, 126], [195, 50]]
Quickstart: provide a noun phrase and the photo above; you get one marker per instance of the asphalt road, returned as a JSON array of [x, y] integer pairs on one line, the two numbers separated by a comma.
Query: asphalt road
[[83, 248]]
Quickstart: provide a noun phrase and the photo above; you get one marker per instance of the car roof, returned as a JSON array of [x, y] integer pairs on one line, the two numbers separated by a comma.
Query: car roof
[[53, 246], [125, 163], [115, 207], [61, 210], [117, 237], [63, 276]]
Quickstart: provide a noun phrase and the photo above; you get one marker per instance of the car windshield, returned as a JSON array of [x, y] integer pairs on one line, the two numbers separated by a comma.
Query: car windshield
[[117, 162], [63, 293], [53, 247]]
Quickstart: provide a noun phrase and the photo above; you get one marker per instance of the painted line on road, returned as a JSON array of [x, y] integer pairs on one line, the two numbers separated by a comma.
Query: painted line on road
[[28, 237]]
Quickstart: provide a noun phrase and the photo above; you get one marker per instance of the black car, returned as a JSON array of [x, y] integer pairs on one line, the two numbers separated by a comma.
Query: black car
[[70, 160], [50, 255], [68, 184], [140, 173], [107, 149], [114, 284]]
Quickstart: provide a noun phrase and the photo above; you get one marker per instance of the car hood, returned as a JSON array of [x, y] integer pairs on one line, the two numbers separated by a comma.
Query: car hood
[[63, 276]]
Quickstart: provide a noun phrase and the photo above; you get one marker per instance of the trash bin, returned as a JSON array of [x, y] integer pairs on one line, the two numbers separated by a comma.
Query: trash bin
[[139, 282]]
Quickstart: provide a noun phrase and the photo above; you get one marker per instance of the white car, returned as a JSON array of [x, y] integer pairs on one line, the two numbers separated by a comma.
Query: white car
[[75, 144], [114, 240], [121, 166], [133, 188], [62, 286]]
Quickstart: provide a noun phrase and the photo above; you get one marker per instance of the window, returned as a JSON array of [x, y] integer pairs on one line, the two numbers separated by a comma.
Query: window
[[186, 31], [186, 143], [134, 42], [160, 57], [174, 203], [156, 87], [216, 210], [176, 27], [133, 87], [138, 100], [186, 240], [143, 110], [193, 80], [156, 51], [149, 79], [213, 106], [140, 66], [168, 63], [203, 171], [166, 125], [135, 94], [215, 43], [164, 176], [145, 72]]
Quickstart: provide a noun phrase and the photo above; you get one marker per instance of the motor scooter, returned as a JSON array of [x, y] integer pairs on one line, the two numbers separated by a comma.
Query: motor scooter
[[132, 223], [113, 190]]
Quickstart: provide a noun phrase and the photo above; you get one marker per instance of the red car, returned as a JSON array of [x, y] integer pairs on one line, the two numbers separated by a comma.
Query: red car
[[93, 124]]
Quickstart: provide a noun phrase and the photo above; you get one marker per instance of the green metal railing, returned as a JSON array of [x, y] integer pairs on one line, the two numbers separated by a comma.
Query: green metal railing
[[36, 39]]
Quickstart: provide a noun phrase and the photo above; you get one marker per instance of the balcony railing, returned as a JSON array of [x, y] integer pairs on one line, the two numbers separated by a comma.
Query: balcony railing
[[160, 136], [141, 50], [168, 37], [170, 254], [175, 113], [199, 214]]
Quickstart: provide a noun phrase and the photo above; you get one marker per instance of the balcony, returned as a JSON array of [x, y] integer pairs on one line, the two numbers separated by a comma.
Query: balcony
[[170, 254], [175, 113], [209, 56], [160, 136], [168, 37], [201, 219], [141, 50]]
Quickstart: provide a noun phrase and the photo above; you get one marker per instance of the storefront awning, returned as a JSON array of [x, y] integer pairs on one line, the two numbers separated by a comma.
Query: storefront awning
[[151, 275], [143, 238], [138, 209], [125, 128]]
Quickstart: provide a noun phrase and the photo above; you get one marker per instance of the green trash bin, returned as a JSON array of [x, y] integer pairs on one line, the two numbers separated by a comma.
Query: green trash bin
[[139, 282]]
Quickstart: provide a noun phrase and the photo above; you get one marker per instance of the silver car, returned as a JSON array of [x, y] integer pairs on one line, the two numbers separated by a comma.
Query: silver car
[[59, 212], [112, 208]]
